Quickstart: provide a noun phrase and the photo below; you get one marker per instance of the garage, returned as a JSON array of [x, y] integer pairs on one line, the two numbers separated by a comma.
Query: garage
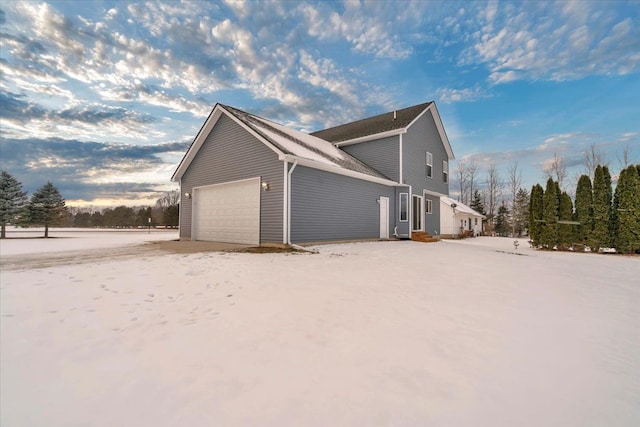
[[227, 212]]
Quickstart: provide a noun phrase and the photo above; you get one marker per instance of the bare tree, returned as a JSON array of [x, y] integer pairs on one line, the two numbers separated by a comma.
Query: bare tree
[[592, 158], [623, 159], [462, 175], [472, 170], [494, 185], [557, 170], [514, 182], [170, 198]]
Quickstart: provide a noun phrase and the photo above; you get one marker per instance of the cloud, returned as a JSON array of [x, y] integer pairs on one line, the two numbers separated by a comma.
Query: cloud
[[21, 116], [176, 57], [90, 170], [553, 41], [448, 95], [366, 26]]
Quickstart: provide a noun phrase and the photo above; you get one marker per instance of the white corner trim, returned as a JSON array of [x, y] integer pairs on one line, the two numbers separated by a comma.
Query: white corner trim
[[285, 204], [400, 170], [288, 197]]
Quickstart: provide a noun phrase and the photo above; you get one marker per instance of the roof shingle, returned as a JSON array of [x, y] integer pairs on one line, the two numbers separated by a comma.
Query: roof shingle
[[372, 125], [300, 144]]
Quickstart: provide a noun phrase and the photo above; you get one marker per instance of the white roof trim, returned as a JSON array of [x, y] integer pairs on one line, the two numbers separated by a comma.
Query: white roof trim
[[435, 193], [204, 132], [371, 137], [440, 127], [461, 208], [436, 118], [337, 170]]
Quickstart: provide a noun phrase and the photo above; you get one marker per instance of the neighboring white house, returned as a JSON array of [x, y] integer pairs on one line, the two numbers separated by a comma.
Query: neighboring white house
[[459, 220]]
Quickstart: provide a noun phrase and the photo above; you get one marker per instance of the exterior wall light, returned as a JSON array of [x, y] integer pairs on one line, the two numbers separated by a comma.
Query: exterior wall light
[[187, 195], [265, 186]]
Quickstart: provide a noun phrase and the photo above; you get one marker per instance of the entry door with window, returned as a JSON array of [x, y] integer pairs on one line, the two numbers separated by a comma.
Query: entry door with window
[[417, 213]]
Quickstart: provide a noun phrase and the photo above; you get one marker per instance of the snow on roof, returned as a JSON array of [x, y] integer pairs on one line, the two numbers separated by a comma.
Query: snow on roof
[[300, 144], [461, 207]]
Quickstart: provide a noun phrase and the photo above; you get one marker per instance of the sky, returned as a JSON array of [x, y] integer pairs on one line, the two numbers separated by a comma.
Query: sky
[[103, 98]]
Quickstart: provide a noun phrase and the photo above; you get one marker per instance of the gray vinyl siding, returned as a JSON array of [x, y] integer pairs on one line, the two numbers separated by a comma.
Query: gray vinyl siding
[[382, 154], [432, 221], [421, 137], [326, 206], [230, 153]]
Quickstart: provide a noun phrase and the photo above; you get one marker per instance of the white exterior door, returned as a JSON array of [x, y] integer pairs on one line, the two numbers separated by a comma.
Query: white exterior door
[[228, 212], [384, 217]]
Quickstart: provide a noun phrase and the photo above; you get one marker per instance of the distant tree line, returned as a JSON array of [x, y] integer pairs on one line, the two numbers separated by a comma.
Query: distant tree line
[[47, 208], [600, 218]]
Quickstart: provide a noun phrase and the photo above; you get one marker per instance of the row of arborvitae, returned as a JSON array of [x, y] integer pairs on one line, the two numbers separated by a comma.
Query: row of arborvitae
[[45, 208], [600, 220]]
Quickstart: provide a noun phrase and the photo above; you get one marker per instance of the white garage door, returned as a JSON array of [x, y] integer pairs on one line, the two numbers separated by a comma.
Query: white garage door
[[228, 212]]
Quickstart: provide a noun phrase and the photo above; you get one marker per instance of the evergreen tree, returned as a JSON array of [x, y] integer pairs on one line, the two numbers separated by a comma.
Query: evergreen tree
[[600, 237], [476, 203], [47, 208], [97, 220], [584, 210], [502, 220], [12, 201], [142, 217], [521, 214], [626, 211], [565, 213], [550, 204], [535, 214], [171, 216], [609, 192]]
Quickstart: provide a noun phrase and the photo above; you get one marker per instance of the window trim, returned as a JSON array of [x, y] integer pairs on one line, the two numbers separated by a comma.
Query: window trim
[[404, 196], [445, 171], [428, 206], [429, 165]]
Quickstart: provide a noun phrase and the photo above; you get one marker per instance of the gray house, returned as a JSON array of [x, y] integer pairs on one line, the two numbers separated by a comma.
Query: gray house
[[246, 179]]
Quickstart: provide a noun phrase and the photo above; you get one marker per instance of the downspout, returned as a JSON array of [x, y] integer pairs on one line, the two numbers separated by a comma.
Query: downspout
[[285, 201], [295, 163]]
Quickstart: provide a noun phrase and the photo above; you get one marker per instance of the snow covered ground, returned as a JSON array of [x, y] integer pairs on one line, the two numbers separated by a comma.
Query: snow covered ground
[[454, 333]]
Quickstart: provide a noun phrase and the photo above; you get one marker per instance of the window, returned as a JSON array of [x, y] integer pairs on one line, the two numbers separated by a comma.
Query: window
[[445, 171], [476, 221], [429, 165], [404, 207], [429, 206]]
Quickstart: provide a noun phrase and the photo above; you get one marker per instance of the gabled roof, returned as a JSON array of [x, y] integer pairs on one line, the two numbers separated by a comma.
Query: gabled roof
[[290, 145], [461, 207], [382, 125]]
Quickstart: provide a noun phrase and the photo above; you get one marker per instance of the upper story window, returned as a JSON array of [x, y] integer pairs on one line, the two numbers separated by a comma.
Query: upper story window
[[445, 171], [429, 165]]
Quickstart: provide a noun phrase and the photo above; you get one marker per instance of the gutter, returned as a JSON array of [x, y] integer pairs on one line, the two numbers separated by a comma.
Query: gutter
[[337, 170]]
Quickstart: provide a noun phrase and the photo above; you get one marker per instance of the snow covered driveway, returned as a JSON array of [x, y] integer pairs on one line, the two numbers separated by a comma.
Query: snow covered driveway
[[394, 333]]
